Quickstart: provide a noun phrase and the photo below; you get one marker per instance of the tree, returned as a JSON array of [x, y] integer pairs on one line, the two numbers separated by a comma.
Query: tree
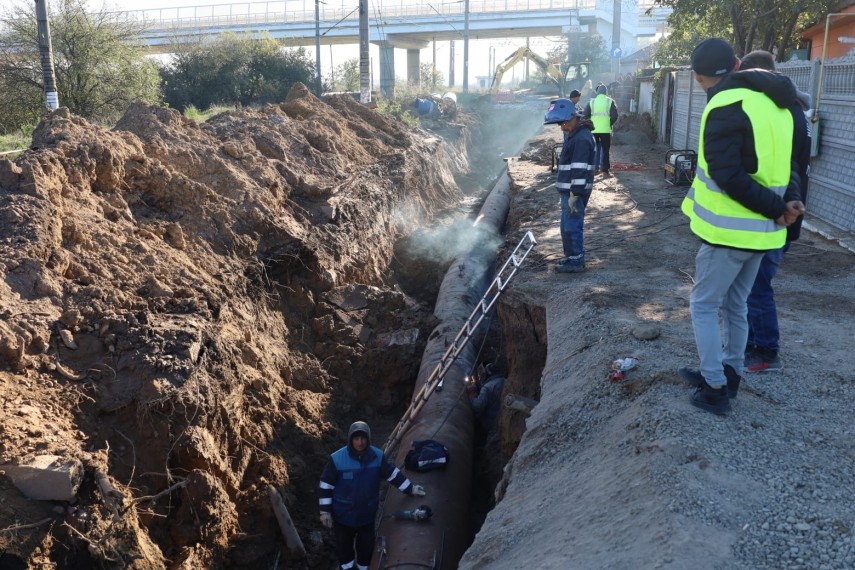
[[749, 25], [587, 47], [346, 75], [430, 77], [98, 59], [232, 68]]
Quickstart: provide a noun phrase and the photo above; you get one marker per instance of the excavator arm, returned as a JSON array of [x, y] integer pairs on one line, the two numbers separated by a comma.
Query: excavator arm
[[548, 69]]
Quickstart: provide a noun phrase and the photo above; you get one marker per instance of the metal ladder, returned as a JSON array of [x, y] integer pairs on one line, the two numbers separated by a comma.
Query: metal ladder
[[434, 381]]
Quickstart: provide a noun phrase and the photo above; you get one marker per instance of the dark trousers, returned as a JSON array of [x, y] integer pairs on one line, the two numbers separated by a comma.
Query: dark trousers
[[571, 229], [362, 536], [763, 329], [604, 145]]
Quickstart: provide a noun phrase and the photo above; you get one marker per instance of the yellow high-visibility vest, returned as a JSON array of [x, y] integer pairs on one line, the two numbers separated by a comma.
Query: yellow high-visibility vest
[[716, 217], [601, 108]]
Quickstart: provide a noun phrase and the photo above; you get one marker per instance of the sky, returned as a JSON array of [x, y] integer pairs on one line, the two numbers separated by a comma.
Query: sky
[[480, 55]]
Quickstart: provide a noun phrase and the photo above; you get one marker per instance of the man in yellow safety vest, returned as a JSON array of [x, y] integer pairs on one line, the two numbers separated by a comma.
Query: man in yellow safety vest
[[746, 191], [602, 111]]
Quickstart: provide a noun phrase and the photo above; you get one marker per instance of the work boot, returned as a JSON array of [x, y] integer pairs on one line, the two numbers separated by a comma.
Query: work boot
[[713, 400], [565, 266], [693, 378]]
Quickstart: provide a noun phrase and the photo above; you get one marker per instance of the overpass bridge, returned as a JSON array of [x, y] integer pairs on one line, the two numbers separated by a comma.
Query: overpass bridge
[[403, 24]]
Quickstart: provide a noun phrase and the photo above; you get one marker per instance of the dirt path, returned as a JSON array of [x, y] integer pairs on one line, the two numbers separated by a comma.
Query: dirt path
[[628, 474]]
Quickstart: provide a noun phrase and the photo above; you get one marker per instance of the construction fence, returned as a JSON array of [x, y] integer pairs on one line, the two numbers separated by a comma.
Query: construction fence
[[831, 194]]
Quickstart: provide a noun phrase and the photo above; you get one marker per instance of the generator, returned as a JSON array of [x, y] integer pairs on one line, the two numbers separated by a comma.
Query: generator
[[680, 167]]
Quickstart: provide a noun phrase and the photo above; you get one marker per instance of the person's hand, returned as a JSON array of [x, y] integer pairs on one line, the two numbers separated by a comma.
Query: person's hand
[[471, 389], [797, 207], [326, 519], [793, 210], [571, 203], [418, 491]]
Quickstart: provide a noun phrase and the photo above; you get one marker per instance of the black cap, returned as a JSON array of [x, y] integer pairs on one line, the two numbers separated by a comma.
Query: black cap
[[713, 57], [575, 93]]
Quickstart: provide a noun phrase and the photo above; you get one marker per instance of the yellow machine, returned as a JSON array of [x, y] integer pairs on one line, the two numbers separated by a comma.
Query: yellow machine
[[578, 72]]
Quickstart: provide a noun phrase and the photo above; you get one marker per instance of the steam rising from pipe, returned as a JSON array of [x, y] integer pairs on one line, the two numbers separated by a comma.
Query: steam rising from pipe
[[445, 243]]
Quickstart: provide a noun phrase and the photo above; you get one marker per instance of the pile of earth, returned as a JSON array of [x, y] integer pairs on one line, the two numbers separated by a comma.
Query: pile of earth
[[193, 312]]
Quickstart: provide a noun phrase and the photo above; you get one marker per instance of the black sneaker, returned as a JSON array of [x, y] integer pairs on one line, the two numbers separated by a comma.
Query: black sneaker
[[566, 267], [693, 378], [709, 399], [763, 360]]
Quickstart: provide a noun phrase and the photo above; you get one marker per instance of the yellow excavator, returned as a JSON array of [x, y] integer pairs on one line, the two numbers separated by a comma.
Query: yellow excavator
[[572, 74]]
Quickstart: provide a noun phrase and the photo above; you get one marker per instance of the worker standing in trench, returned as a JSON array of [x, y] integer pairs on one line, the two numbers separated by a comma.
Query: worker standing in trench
[[350, 495], [485, 396]]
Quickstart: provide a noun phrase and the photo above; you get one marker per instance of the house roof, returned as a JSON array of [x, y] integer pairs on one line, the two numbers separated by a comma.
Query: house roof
[[820, 25]]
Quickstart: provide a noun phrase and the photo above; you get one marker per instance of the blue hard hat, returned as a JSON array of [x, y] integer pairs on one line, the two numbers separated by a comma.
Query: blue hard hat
[[559, 111]]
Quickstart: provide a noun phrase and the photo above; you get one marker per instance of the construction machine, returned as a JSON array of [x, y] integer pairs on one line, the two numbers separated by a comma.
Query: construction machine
[[573, 73]]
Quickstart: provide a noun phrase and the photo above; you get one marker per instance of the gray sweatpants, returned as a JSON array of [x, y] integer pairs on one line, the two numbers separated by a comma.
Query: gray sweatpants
[[723, 280]]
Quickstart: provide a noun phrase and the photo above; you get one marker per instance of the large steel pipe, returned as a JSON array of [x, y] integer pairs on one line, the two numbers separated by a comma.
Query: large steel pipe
[[447, 416]]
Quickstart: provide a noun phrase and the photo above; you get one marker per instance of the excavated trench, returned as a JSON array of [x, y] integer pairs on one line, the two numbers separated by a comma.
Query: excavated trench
[[193, 313], [512, 338]]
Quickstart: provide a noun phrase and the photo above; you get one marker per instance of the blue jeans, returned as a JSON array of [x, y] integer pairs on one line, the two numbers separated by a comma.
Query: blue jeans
[[723, 279], [763, 329], [571, 229]]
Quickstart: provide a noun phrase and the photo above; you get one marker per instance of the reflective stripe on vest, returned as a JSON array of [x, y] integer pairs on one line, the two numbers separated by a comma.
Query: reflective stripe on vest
[[716, 217], [601, 107]]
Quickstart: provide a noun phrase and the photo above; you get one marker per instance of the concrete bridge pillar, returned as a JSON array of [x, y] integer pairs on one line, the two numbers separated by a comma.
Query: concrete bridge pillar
[[413, 67], [387, 70]]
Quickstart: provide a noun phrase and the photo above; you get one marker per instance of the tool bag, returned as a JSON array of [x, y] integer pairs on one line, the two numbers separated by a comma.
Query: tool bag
[[426, 455]]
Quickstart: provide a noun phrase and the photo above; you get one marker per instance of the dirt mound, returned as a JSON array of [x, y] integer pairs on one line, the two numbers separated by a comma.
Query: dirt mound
[[192, 311], [634, 129]]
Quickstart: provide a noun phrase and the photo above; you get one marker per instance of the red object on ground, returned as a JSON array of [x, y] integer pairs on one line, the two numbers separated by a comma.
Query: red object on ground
[[504, 97]]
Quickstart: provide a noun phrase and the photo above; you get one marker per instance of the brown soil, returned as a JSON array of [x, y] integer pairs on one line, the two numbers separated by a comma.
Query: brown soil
[[199, 310]]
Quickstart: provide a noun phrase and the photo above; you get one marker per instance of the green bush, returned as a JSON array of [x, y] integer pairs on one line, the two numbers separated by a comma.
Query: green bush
[[191, 112], [393, 108], [233, 69], [20, 139]]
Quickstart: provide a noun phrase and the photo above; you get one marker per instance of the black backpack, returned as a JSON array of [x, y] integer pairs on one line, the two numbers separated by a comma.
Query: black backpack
[[426, 456]]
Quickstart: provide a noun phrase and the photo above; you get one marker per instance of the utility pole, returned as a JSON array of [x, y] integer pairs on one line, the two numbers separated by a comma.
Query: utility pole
[[364, 61], [433, 68], [46, 53], [451, 63], [466, 46], [318, 48], [616, 37]]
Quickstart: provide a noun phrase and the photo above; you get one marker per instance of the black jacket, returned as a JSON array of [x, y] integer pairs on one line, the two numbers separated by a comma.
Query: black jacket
[[801, 153], [729, 142]]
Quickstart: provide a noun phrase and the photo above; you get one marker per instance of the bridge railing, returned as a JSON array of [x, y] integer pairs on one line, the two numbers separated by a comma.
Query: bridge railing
[[284, 11]]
